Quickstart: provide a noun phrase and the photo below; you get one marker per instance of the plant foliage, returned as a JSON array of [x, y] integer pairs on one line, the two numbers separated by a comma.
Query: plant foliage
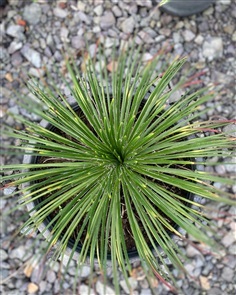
[[121, 152]]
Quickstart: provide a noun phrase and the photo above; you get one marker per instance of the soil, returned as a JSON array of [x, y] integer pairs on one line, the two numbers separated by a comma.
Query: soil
[[129, 239]]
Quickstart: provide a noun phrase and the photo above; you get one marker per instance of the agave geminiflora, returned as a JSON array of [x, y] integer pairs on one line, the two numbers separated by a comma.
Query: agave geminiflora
[[129, 149]]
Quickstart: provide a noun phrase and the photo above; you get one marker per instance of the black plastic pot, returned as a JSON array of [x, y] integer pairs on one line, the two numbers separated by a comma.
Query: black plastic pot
[[28, 159], [3, 3], [186, 7]]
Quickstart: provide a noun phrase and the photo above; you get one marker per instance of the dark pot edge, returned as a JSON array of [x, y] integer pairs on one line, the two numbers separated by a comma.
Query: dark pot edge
[[183, 11]]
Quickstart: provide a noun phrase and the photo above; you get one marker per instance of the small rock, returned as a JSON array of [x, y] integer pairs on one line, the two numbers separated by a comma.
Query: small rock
[[3, 255], [32, 13], [188, 35], [58, 12], [9, 190], [220, 169], [28, 269], [84, 17], [145, 37], [104, 290], [199, 39], [14, 46], [179, 49], [42, 286], [231, 167], [214, 291], [133, 285], [4, 273], [85, 271], [159, 38], [49, 40], [112, 66], [229, 239], [190, 269], [81, 6], [32, 288], [227, 274], [165, 31], [85, 290], [146, 57], [48, 52], [92, 50], [209, 11], [207, 268], [64, 34], [107, 20], [51, 276], [19, 253], [234, 36], [229, 29], [16, 59], [127, 25], [16, 32], [31, 55], [177, 37], [9, 77], [116, 10], [98, 10], [57, 287], [144, 3], [204, 281], [230, 130], [146, 292], [77, 42], [213, 48]]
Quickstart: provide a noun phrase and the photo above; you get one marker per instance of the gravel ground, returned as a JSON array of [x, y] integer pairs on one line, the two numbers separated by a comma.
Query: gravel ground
[[33, 34]]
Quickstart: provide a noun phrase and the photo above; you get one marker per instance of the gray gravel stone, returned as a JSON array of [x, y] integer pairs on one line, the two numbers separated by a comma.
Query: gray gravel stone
[[77, 42], [51, 276], [228, 274], [133, 285], [31, 55], [145, 37], [107, 20], [16, 59], [214, 291], [85, 271], [199, 39], [32, 13], [213, 48], [84, 290], [100, 289], [16, 31], [228, 239], [64, 34], [230, 130], [9, 190], [146, 292], [116, 10], [3, 255], [14, 46], [42, 286], [84, 17], [188, 35], [144, 3], [19, 253], [128, 25], [98, 10], [59, 12], [192, 252]]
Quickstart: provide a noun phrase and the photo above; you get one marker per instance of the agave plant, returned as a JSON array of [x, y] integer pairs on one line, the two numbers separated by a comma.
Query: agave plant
[[116, 172]]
